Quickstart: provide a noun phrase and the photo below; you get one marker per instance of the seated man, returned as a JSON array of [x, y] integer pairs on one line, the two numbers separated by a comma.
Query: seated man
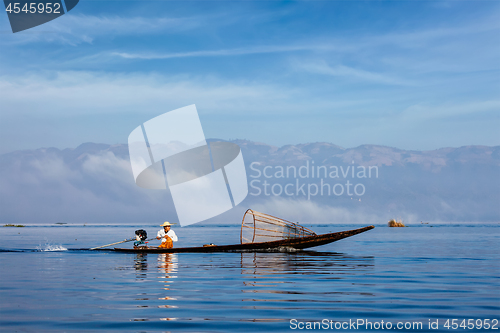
[[167, 236]]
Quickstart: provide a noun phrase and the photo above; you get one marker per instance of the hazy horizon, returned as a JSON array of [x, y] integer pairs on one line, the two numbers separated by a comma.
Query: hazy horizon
[[94, 182], [258, 142]]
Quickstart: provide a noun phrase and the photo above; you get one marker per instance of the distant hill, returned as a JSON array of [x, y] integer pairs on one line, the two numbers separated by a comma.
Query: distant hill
[[93, 183]]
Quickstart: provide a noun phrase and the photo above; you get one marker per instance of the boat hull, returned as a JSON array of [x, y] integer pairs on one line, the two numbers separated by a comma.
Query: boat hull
[[285, 245]]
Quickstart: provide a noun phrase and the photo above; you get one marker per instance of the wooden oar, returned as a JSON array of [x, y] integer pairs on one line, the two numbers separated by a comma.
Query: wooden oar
[[126, 240]]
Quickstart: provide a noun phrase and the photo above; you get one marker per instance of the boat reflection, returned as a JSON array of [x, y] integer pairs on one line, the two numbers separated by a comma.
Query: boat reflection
[[302, 262], [269, 273], [167, 264], [167, 267], [141, 265], [262, 282]]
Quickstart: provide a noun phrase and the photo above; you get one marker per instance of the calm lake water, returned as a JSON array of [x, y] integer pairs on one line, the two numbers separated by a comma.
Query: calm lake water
[[395, 275]]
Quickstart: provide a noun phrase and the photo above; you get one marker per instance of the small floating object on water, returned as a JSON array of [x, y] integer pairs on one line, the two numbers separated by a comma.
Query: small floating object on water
[[394, 223]]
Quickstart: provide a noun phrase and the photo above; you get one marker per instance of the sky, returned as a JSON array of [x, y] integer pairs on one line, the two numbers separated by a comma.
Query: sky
[[416, 75]]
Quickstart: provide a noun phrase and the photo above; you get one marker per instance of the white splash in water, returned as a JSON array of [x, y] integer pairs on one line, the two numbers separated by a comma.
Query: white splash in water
[[51, 248]]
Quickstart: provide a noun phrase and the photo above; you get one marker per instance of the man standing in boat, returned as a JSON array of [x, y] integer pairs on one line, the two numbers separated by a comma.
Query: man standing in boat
[[167, 236]]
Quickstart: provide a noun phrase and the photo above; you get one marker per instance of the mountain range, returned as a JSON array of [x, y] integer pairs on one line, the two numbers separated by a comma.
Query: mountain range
[[311, 183]]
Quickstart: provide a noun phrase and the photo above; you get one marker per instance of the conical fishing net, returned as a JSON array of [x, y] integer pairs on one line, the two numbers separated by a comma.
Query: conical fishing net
[[259, 227]]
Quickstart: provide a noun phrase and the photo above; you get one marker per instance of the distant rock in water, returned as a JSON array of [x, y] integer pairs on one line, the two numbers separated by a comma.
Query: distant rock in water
[[394, 223]]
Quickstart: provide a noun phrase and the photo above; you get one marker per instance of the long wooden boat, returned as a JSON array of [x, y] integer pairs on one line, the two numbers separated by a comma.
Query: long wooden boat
[[282, 245]]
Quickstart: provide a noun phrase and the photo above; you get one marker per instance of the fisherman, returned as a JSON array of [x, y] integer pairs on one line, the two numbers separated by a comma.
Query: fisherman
[[167, 236]]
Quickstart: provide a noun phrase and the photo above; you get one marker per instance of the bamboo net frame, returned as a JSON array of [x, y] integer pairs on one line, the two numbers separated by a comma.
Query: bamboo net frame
[[258, 227]]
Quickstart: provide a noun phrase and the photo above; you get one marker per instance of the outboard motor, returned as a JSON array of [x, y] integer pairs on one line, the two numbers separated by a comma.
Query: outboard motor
[[140, 237]]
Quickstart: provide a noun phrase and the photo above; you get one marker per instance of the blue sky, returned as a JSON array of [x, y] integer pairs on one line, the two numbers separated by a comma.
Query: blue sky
[[409, 74]]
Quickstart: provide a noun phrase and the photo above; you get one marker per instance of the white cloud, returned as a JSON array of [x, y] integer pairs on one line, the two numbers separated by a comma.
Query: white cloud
[[305, 211], [422, 112], [427, 40], [321, 67], [74, 93], [42, 188], [75, 29], [259, 49]]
